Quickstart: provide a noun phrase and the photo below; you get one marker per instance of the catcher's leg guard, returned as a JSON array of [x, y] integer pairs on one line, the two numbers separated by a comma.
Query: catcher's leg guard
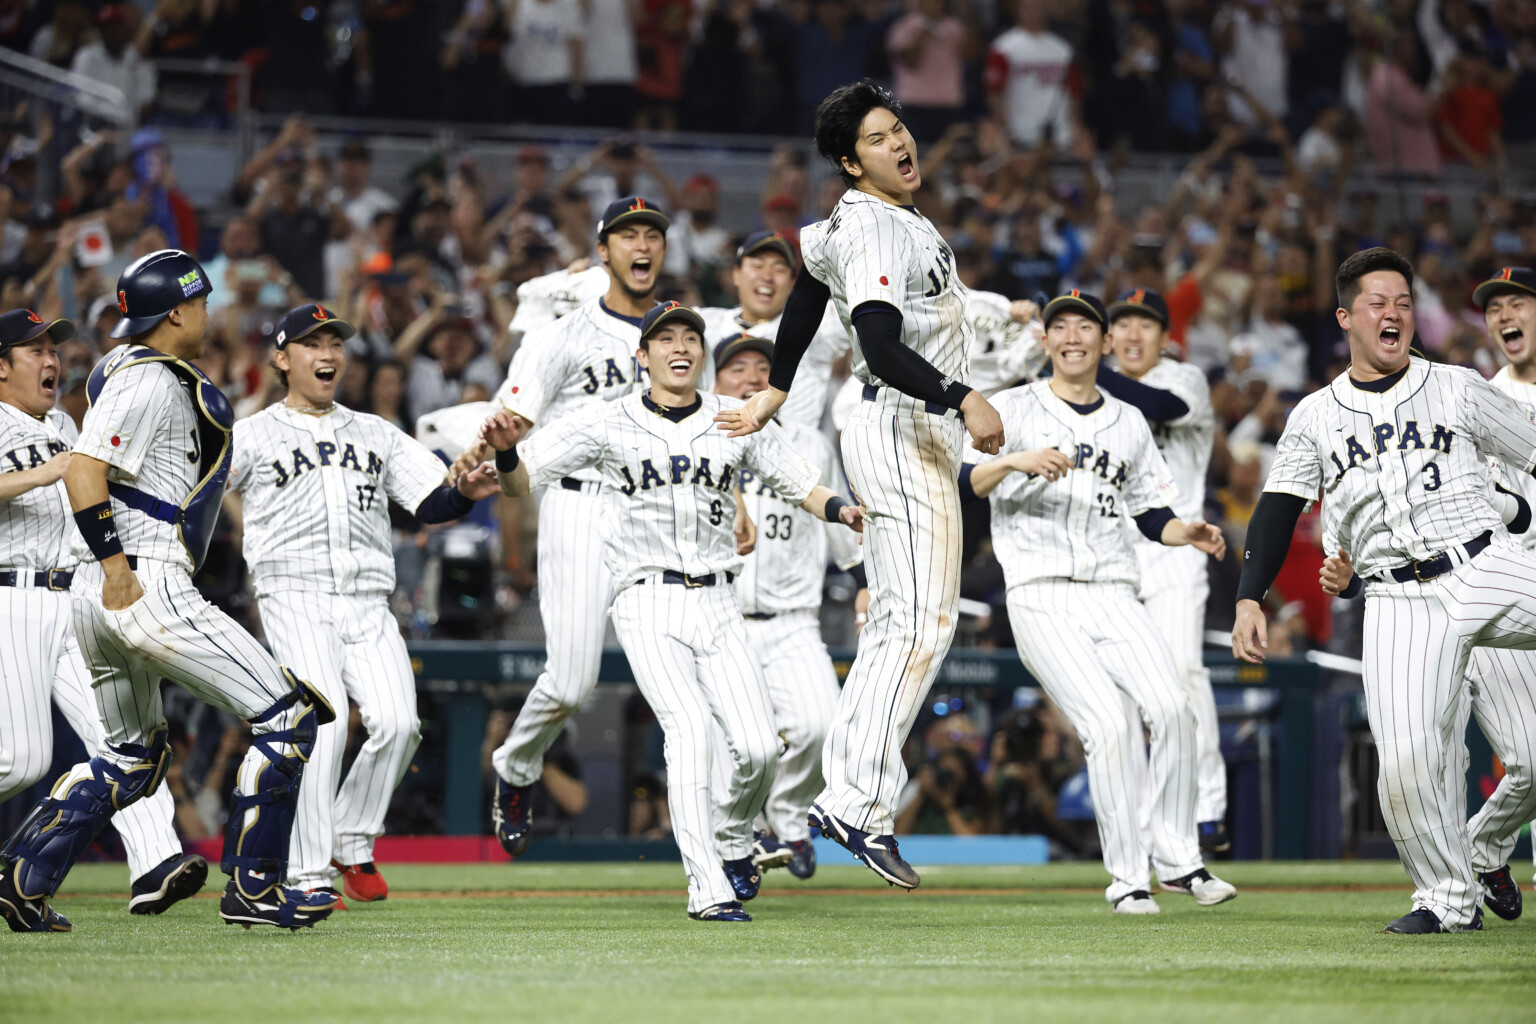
[[261, 814], [44, 848]]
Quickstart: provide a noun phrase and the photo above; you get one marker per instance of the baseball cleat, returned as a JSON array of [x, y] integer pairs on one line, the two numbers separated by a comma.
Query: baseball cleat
[[879, 853], [1138, 902], [731, 911], [511, 816], [1214, 838], [802, 864], [24, 915], [1422, 921], [169, 882], [331, 891], [280, 906], [362, 882], [1501, 893], [743, 876], [768, 852], [1206, 888]]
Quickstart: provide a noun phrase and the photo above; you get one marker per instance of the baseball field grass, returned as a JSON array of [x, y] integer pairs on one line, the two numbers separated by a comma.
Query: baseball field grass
[[611, 943]]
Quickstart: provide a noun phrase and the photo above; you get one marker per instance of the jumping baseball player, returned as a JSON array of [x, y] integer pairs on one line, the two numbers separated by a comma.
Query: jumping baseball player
[[577, 364], [145, 482], [42, 662], [779, 590], [1176, 401], [1399, 448], [1077, 465], [315, 480], [545, 299], [891, 277], [667, 479]]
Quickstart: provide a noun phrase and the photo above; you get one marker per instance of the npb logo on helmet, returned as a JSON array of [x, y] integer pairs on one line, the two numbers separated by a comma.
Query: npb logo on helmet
[[191, 283]]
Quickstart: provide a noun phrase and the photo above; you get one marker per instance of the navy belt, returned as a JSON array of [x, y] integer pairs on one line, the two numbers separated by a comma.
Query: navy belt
[[570, 483], [683, 579], [1440, 564], [761, 616], [44, 579], [871, 393]]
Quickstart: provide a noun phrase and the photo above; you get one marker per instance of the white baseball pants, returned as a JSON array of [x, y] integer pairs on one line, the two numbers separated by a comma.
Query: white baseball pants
[[692, 663], [42, 663], [903, 464], [1100, 659], [1501, 689], [575, 592], [347, 647]]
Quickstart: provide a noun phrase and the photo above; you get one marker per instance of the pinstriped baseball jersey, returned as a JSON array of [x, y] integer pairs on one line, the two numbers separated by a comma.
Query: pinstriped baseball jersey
[[35, 527], [668, 485], [1186, 441], [317, 490], [144, 427], [1404, 471], [1073, 528], [784, 573], [580, 360], [1003, 351], [870, 250], [546, 299], [807, 400], [1521, 483]]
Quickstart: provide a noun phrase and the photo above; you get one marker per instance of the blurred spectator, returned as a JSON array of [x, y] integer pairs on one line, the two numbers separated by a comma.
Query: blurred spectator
[[544, 57], [473, 85], [928, 48], [165, 206], [1027, 71], [71, 29], [292, 228], [1270, 349], [611, 66], [1192, 68], [661, 40], [831, 49], [1317, 39], [354, 193], [696, 243], [450, 361], [1468, 118], [1251, 37], [950, 799], [1025, 269], [1029, 762], [113, 60], [1397, 119], [782, 213]]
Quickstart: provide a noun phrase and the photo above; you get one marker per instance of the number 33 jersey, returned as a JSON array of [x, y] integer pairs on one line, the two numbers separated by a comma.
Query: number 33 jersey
[[1073, 528], [669, 480], [316, 493]]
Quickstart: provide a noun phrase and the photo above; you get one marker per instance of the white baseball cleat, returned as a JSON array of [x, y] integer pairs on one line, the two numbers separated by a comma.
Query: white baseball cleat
[[1206, 888], [1138, 902]]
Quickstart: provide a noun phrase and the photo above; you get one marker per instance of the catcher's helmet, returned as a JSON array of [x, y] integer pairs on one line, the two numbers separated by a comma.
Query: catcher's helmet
[[154, 285]]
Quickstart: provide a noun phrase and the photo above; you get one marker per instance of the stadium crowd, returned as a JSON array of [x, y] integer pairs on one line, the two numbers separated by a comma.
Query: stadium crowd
[[1025, 111]]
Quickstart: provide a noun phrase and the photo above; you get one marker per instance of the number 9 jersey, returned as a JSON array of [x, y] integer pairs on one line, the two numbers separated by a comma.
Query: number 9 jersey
[[316, 492]]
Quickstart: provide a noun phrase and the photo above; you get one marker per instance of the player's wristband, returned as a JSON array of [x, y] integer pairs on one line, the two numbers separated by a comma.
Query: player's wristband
[[506, 461], [99, 530], [860, 577], [834, 506]]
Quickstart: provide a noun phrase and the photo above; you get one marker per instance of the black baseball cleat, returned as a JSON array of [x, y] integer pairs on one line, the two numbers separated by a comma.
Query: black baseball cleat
[[802, 863], [743, 876], [768, 852], [169, 882], [879, 853], [1422, 921], [731, 911], [1214, 838], [24, 915], [1501, 893], [512, 816], [280, 906]]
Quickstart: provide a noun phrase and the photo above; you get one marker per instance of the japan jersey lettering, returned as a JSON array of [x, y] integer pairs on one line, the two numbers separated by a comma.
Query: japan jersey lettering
[[36, 528]]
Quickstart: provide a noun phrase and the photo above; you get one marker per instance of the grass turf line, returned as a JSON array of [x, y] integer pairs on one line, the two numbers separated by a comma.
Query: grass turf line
[[1027, 944]]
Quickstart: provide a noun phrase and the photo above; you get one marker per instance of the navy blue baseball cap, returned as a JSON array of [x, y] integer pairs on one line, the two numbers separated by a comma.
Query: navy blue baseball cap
[[1140, 302], [1076, 301], [20, 326], [766, 241], [154, 285], [1508, 279], [307, 319], [632, 210], [668, 312], [736, 344]]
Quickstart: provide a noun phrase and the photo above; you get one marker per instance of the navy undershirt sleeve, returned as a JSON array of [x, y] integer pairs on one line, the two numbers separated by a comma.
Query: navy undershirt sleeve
[[1152, 521], [803, 311], [1269, 539], [443, 505], [1156, 404], [878, 325]]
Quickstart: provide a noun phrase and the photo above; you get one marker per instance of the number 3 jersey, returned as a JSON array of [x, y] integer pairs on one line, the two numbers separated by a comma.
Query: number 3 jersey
[[1402, 462], [316, 492], [669, 480], [1073, 528]]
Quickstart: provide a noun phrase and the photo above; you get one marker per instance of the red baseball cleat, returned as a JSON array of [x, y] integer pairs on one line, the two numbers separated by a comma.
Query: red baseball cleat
[[362, 882]]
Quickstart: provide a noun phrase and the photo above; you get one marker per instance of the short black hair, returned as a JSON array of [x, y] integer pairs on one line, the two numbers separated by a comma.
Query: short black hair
[[839, 117], [1346, 283]]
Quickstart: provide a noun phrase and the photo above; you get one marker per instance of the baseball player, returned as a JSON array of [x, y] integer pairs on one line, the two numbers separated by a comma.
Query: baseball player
[[1399, 448], [779, 590], [544, 299], [891, 277], [145, 481], [1076, 466], [315, 480], [579, 363], [667, 478], [1176, 401], [43, 660]]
